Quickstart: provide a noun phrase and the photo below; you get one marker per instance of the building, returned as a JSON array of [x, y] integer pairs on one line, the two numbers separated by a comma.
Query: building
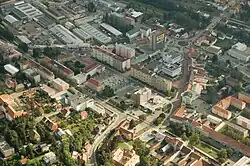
[[10, 108], [65, 36], [213, 119], [49, 158], [41, 70], [106, 56], [95, 85], [60, 85], [244, 122], [11, 69], [12, 21], [157, 40], [53, 126], [82, 34], [145, 31], [240, 55], [237, 129], [151, 78], [44, 21], [124, 51], [97, 35], [214, 50], [244, 97], [111, 30], [133, 33], [58, 68], [135, 15], [6, 150], [8, 52], [25, 10], [80, 102], [123, 157], [97, 109], [189, 96], [243, 161], [32, 76], [220, 108], [142, 96]]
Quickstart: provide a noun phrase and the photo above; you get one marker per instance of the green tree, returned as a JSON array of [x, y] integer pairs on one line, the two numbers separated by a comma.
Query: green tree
[[194, 139], [229, 152], [37, 52], [91, 7], [222, 155], [215, 59], [132, 124]]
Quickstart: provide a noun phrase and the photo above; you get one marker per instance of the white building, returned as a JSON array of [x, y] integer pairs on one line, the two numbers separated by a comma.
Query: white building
[[97, 108], [240, 55], [213, 119], [11, 69], [124, 51], [60, 85], [240, 46], [65, 36], [244, 122], [243, 161], [27, 9], [142, 96], [80, 102]]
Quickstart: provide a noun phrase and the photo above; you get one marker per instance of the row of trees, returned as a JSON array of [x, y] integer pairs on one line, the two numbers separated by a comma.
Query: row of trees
[[47, 51]]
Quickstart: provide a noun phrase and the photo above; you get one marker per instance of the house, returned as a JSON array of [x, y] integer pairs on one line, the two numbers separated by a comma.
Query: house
[[49, 158], [65, 112], [84, 115], [125, 158], [50, 124], [6, 150], [34, 136]]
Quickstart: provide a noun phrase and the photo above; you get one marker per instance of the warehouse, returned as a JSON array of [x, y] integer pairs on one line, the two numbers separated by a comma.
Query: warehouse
[[27, 9], [79, 32], [97, 35], [110, 29], [65, 36]]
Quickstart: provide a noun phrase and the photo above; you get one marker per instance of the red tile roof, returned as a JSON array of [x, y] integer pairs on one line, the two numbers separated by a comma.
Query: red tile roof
[[94, 82]]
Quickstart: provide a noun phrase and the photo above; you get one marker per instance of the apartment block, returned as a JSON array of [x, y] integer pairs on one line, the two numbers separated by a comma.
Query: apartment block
[[244, 122], [60, 85], [142, 96]]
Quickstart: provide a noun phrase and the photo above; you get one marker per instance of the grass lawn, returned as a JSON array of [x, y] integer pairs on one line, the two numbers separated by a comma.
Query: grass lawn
[[124, 145], [207, 149], [224, 44]]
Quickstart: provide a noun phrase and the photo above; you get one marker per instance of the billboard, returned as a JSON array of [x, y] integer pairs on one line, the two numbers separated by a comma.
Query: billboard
[[160, 38]]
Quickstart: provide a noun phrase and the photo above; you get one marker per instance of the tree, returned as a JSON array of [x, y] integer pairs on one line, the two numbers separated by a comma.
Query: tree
[[142, 117], [91, 7], [132, 124], [215, 59], [229, 152], [194, 139], [37, 52], [108, 92], [222, 155]]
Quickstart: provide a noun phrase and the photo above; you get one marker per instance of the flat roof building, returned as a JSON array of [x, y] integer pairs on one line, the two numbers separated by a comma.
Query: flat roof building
[[6, 150], [27, 9], [80, 102], [97, 35], [44, 21], [11, 69], [111, 29], [82, 34], [65, 36], [60, 85]]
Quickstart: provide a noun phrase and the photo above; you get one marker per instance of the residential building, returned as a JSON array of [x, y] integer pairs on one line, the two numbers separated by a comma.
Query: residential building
[[80, 102], [6, 150], [49, 158], [10, 108], [244, 122], [124, 51], [122, 157], [189, 96], [50, 124], [32, 76], [95, 85], [59, 84], [243, 96], [151, 78], [58, 68], [106, 56], [157, 40], [220, 108], [8, 52], [213, 119], [142, 96], [41, 70], [238, 130]]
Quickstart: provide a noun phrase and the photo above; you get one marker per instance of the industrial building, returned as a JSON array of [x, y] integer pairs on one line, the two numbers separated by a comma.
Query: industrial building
[[65, 36], [111, 29], [26, 10], [82, 34], [44, 21], [97, 35]]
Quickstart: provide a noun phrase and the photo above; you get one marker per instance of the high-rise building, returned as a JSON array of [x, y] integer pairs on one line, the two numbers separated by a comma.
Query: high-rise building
[[124, 51], [157, 40]]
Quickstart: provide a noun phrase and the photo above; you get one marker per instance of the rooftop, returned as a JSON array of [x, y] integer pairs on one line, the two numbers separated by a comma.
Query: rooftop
[[28, 9], [111, 29]]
